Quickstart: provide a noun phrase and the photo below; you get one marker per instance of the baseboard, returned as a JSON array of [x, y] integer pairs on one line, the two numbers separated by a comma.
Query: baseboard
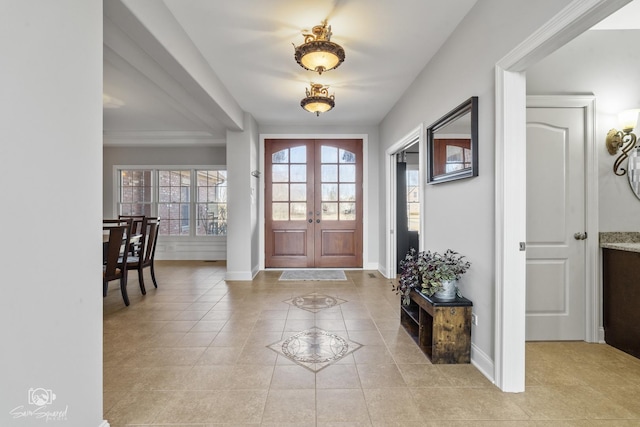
[[601, 335], [254, 271], [105, 423], [383, 271], [483, 362], [370, 266], [239, 276]]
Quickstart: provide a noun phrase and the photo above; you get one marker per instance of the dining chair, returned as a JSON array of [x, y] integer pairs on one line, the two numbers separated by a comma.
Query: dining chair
[[145, 257], [136, 229], [114, 257]]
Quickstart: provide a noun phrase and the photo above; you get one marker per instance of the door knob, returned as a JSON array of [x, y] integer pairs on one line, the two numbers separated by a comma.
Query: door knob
[[310, 221], [580, 235], [318, 221]]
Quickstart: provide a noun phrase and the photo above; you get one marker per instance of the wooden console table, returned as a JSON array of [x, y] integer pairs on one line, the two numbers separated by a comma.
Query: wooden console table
[[442, 329]]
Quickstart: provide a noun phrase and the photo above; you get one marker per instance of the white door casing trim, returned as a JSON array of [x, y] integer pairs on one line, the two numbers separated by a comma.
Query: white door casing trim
[[365, 188], [510, 202], [390, 191]]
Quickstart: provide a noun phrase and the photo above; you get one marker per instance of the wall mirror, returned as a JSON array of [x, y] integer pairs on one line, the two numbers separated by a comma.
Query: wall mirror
[[633, 170], [452, 144]]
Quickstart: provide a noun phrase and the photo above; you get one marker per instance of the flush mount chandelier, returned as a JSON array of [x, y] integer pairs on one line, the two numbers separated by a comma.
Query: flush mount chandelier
[[318, 99], [319, 53]]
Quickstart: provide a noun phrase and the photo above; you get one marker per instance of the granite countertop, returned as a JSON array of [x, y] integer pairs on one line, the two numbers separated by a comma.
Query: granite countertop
[[622, 241]]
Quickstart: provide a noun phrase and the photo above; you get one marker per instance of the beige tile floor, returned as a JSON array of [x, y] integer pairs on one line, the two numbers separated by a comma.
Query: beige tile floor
[[194, 353]]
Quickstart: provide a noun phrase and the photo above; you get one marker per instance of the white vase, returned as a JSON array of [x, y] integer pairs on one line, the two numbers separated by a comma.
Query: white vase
[[448, 290]]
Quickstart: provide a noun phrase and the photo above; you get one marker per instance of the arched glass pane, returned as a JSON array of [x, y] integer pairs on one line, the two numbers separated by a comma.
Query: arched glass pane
[[298, 155], [280, 173], [329, 154], [281, 156], [329, 173], [347, 156], [347, 173]]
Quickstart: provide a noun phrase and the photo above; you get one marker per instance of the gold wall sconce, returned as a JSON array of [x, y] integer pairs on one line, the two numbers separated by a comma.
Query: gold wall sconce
[[318, 53], [623, 139]]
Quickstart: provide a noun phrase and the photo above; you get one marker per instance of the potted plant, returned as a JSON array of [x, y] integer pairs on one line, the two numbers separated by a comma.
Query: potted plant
[[431, 273]]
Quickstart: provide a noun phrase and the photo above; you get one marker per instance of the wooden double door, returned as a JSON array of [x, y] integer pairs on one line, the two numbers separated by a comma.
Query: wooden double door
[[313, 203]]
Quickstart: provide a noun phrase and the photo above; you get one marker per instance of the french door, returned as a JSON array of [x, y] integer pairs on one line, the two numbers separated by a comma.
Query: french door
[[313, 203]]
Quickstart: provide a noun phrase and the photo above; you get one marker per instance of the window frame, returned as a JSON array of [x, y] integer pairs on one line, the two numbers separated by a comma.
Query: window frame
[[155, 192]]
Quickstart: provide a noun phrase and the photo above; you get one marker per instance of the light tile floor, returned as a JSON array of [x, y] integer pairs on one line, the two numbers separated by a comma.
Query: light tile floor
[[194, 352]]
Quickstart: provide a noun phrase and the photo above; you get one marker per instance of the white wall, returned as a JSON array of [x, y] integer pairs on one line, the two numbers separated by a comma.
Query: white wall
[[605, 63], [460, 215], [51, 159], [372, 200]]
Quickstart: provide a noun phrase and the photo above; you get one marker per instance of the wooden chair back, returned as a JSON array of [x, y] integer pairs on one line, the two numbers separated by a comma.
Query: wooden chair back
[[119, 232], [149, 249], [137, 221]]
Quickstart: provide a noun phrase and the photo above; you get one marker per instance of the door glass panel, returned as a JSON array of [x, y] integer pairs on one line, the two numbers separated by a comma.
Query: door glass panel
[[347, 211], [280, 211], [413, 200], [298, 211], [298, 173], [347, 192], [280, 173], [347, 156], [329, 192], [329, 211], [298, 155], [329, 154], [280, 192], [347, 173], [298, 193], [329, 173], [281, 156]]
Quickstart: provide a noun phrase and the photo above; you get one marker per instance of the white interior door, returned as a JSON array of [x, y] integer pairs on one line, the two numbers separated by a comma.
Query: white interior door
[[556, 288]]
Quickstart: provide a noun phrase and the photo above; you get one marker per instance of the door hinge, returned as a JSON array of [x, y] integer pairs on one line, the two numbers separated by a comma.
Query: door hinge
[[523, 246]]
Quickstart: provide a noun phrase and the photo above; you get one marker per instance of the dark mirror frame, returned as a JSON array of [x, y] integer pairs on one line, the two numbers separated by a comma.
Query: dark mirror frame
[[469, 106]]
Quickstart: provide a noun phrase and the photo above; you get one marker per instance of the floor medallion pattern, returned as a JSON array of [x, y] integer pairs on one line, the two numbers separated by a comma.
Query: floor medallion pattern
[[314, 302], [315, 348]]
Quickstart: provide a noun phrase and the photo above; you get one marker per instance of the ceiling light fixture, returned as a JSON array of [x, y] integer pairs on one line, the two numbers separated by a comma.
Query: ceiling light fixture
[[319, 53], [318, 99]]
